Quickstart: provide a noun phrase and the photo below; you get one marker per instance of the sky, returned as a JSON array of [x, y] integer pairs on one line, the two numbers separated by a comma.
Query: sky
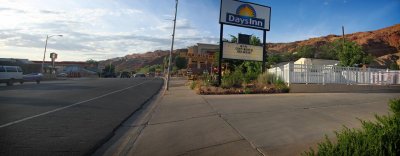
[[103, 29]]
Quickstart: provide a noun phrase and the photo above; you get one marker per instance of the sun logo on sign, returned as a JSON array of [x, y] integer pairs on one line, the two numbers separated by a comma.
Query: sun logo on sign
[[246, 10]]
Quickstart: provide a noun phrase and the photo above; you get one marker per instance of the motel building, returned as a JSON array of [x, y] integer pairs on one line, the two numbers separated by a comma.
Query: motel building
[[201, 57]]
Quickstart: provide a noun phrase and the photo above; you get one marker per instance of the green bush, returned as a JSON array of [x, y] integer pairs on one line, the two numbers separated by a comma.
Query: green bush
[[247, 91], [266, 78], [250, 77], [375, 138], [193, 85], [207, 79], [232, 80], [279, 81]]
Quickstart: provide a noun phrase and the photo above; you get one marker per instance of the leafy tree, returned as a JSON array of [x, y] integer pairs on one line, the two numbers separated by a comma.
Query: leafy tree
[[152, 69], [394, 66], [144, 69], [351, 54], [109, 68], [91, 61], [330, 51], [234, 39], [165, 62], [273, 59], [180, 62], [288, 56], [368, 59], [255, 41], [174, 69], [306, 51], [149, 69]]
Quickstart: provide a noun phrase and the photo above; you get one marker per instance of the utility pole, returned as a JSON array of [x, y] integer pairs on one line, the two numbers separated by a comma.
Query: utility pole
[[172, 46], [45, 48], [343, 36], [44, 54]]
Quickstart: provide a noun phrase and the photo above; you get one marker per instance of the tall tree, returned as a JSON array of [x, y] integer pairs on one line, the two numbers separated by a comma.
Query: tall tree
[[330, 51], [234, 39], [351, 54], [109, 68], [306, 51], [274, 59], [180, 62], [255, 41]]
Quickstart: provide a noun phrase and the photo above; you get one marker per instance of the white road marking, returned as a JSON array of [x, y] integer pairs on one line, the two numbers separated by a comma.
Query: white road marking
[[65, 107]]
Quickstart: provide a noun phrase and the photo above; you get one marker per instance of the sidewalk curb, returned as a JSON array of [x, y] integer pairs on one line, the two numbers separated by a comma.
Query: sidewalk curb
[[115, 140]]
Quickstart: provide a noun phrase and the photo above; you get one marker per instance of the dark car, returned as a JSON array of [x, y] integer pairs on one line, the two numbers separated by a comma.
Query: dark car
[[125, 75], [33, 77], [139, 75], [109, 75]]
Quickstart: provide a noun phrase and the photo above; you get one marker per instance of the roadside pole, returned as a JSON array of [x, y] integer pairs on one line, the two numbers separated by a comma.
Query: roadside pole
[[264, 50], [221, 33], [172, 47]]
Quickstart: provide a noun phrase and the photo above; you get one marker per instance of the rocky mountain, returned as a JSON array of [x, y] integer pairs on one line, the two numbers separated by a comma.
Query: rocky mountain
[[133, 62], [382, 43]]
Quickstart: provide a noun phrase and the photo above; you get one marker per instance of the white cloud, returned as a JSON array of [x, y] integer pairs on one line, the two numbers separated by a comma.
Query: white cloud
[[96, 32]]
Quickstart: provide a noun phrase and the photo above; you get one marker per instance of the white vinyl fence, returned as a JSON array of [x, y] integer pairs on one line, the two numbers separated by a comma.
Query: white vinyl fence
[[317, 74]]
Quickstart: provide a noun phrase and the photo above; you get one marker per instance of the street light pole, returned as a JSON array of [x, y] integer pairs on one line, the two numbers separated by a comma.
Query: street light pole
[[44, 55], [172, 46], [45, 48]]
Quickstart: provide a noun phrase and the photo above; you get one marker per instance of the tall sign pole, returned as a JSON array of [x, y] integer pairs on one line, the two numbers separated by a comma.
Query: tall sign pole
[[264, 50], [44, 54], [221, 33], [172, 46], [248, 15], [343, 36]]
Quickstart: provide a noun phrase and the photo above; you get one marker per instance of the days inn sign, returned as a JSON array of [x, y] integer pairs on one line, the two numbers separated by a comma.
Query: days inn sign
[[245, 14]]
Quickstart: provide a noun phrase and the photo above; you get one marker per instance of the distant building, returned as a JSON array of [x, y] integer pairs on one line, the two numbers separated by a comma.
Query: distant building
[[312, 61], [201, 57], [71, 68], [26, 65]]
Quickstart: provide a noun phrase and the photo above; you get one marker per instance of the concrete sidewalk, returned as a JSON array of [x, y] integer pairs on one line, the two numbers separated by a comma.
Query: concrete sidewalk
[[184, 123], [181, 123]]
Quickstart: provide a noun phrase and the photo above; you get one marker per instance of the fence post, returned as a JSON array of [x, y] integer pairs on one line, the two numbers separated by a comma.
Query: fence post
[[369, 76], [289, 73], [323, 75], [348, 75], [306, 69]]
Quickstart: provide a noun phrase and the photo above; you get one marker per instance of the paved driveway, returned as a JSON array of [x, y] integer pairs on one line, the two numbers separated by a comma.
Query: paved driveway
[[286, 124]]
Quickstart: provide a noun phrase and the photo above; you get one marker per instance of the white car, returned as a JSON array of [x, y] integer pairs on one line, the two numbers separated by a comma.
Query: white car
[[11, 74]]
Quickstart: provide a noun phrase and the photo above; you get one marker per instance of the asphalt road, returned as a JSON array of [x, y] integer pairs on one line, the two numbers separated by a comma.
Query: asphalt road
[[68, 117]]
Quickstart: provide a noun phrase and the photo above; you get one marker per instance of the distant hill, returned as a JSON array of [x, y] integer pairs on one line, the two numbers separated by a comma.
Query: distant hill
[[384, 44], [136, 61]]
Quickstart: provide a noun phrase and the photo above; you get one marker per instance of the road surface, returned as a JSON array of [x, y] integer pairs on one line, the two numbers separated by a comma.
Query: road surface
[[68, 117]]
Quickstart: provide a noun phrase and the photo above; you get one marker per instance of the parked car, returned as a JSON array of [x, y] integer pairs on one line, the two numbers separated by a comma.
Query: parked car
[[33, 77], [11, 74], [139, 75], [62, 75], [109, 75], [125, 75]]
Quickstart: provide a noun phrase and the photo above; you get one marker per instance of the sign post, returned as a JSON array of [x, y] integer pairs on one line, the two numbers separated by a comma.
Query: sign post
[[248, 15], [221, 48], [53, 57]]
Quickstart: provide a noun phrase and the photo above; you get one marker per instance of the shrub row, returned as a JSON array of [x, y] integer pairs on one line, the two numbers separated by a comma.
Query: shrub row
[[374, 138], [211, 90]]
